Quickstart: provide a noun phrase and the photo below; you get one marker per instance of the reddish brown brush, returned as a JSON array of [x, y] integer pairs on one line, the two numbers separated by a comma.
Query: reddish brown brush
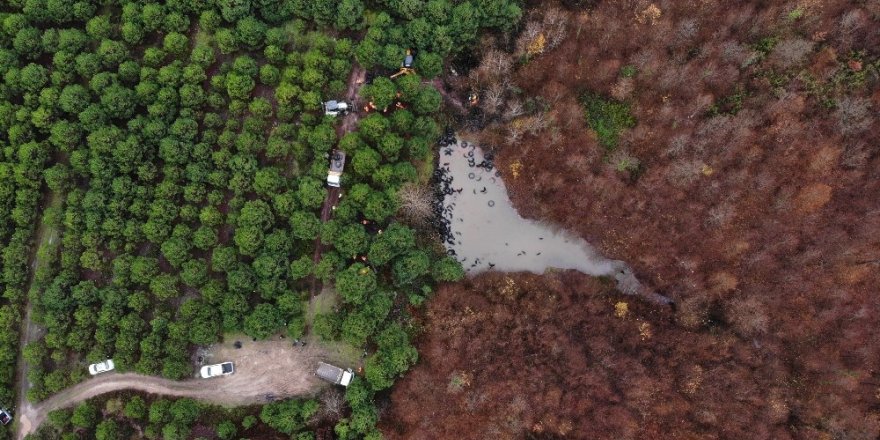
[[755, 206]]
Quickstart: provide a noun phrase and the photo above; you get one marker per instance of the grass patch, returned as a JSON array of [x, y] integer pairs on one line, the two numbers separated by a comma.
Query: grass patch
[[628, 71], [608, 118], [730, 104]]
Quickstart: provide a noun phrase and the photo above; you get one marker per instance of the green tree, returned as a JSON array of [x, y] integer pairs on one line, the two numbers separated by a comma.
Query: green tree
[[378, 206], [390, 146], [194, 273], [349, 14], [175, 44], [373, 127], [58, 177], [355, 282], [352, 240], [28, 43], [176, 251], [160, 411], [263, 321], [209, 20], [427, 101], [411, 266], [152, 15], [234, 10], [310, 192], [226, 41], [185, 411], [393, 356], [269, 75], [143, 269], [381, 92], [33, 77], [301, 267], [365, 161], [248, 239], [112, 53], [118, 102], [447, 269], [132, 32], [368, 53], [257, 214], [74, 98], [250, 31], [268, 181], [99, 27], [108, 430], [224, 258], [239, 86], [164, 286], [85, 415], [429, 65], [226, 430], [202, 55], [135, 408], [288, 416], [205, 238]]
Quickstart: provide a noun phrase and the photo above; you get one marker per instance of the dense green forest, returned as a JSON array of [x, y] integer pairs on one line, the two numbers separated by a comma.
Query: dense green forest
[[185, 144], [123, 415]]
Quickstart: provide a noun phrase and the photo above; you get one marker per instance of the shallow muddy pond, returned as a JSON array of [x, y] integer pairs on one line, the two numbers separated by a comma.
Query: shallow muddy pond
[[485, 231]]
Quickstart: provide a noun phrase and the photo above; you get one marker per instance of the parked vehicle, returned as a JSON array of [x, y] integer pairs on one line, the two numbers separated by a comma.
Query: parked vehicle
[[337, 163], [224, 369], [101, 367], [335, 108], [5, 417], [334, 375]]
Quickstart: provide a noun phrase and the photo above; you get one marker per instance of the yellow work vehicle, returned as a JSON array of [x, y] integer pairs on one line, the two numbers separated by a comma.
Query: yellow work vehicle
[[406, 66]]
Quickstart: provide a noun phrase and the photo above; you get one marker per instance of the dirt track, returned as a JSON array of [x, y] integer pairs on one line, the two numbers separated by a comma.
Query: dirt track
[[30, 330], [349, 123], [264, 371], [355, 81]]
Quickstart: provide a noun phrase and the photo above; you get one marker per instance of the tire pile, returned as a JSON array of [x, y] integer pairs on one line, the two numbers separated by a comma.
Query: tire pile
[[442, 184]]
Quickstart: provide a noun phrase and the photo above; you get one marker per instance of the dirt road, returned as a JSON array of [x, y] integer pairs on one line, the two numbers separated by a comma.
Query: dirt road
[[329, 202], [438, 84], [264, 371], [355, 81], [30, 330], [349, 123]]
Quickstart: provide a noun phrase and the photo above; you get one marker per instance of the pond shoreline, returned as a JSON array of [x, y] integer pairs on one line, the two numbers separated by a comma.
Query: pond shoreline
[[479, 226]]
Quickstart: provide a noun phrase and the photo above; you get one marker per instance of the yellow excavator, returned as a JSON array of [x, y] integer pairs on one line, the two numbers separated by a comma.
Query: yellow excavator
[[407, 66]]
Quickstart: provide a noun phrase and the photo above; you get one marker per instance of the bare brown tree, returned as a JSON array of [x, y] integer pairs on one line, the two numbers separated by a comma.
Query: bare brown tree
[[415, 203]]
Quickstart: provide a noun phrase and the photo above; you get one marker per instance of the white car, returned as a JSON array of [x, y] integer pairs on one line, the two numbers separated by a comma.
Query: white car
[[101, 367], [215, 370]]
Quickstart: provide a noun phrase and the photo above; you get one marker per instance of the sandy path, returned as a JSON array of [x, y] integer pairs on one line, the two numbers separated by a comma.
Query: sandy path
[[264, 371]]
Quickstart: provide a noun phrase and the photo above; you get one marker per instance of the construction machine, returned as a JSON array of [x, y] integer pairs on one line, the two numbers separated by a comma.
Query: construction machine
[[406, 67]]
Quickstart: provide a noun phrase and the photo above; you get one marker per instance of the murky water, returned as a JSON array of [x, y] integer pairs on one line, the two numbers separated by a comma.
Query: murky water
[[486, 232]]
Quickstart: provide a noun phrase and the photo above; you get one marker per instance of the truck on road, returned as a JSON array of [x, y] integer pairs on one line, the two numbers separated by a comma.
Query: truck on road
[[337, 163], [334, 375], [335, 108]]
